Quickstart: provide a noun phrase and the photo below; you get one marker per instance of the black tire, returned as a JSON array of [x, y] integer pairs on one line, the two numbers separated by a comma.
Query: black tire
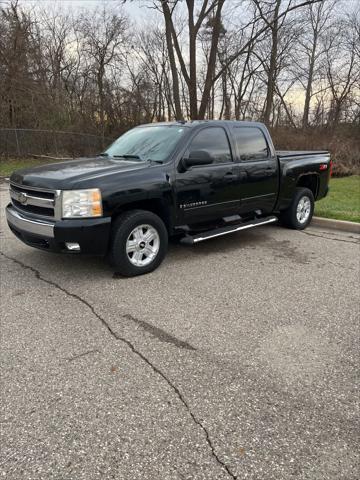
[[123, 226], [289, 217]]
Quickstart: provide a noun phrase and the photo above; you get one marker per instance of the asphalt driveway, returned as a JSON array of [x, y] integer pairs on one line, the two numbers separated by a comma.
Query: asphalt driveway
[[238, 358]]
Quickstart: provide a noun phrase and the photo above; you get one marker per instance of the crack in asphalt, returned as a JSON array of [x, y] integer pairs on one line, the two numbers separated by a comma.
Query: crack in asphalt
[[329, 238], [159, 333], [80, 355], [124, 340]]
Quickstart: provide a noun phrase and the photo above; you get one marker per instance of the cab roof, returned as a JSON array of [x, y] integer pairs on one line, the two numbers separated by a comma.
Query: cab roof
[[195, 123]]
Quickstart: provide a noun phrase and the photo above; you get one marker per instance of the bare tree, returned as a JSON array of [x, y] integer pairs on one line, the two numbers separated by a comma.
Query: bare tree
[[21, 75], [169, 29], [318, 17], [271, 18], [208, 11], [104, 34], [153, 57], [342, 67]]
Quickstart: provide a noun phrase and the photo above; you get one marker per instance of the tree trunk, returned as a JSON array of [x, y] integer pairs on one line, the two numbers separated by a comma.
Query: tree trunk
[[192, 62], [272, 66], [100, 81], [305, 120], [170, 49], [209, 80], [227, 100]]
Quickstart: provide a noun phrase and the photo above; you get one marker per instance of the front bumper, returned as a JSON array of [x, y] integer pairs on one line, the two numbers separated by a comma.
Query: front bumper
[[92, 234]]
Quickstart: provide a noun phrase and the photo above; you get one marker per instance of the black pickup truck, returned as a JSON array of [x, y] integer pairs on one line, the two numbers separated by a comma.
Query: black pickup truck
[[195, 180]]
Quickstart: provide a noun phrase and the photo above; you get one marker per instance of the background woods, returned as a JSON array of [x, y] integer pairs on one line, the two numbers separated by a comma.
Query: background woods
[[293, 64]]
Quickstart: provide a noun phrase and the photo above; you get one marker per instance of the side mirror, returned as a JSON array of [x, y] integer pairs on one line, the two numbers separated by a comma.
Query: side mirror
[[198, 157]]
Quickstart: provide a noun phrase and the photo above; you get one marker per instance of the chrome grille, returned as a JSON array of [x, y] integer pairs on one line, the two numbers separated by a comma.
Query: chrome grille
[[39, 202]]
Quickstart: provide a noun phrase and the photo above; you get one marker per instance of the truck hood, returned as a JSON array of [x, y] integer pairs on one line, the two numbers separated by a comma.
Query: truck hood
[[71, 174]]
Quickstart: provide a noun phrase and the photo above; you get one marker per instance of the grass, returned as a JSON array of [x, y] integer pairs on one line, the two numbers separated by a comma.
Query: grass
[[343, 200], [9, 165]]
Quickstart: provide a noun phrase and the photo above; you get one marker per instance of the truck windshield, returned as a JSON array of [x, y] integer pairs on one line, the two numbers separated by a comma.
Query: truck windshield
[[146, 143]]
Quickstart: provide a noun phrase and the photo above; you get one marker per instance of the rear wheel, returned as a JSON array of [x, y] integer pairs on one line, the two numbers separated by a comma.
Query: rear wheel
[[139, 243], [299, 214]]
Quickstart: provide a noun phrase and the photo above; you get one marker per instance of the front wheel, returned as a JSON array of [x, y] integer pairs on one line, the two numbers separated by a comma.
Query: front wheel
[[299, 214], [139, 243]]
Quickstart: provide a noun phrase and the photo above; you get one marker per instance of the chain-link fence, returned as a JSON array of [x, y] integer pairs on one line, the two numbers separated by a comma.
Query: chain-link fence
[[21, 142]]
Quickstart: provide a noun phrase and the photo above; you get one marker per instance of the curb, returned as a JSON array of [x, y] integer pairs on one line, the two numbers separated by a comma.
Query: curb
[[342, 225]]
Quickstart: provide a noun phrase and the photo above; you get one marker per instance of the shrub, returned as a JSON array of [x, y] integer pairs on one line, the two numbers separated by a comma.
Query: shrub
[[342, 142]]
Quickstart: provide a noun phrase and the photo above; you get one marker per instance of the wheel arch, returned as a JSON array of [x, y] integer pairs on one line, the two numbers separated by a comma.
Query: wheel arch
[[158, 206], [310, 181]]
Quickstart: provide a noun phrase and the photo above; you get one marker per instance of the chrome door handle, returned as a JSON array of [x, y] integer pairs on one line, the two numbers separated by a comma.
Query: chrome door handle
[[230, 176]]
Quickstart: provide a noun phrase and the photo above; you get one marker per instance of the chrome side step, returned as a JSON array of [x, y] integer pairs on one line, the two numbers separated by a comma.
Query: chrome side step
[[218, 232]]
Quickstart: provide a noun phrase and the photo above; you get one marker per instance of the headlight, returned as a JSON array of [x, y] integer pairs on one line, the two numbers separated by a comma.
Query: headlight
[[81, 203]]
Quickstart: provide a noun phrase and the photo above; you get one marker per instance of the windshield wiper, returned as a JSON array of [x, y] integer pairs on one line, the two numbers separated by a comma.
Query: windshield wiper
[[154, 161], [136, 157], [103, 154]]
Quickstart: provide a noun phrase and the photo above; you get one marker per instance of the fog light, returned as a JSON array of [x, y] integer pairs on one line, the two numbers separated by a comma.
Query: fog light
[[73, 247]]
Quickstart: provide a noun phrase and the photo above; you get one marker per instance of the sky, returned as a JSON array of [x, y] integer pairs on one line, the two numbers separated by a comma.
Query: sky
[[138, 10], [135, 8]]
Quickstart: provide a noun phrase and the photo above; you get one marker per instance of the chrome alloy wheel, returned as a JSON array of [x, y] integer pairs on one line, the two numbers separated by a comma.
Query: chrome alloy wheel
[[142, 245], [303, 210]]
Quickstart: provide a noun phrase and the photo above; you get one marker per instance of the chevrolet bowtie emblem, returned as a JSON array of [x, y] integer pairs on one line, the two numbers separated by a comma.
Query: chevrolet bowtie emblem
[[22, 198]]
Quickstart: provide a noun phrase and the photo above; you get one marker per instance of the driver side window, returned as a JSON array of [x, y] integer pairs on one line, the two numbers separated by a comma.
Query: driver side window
[[214, 140]]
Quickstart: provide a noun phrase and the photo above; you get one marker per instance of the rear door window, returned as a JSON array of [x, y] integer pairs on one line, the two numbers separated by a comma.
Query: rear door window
[[251, 143]]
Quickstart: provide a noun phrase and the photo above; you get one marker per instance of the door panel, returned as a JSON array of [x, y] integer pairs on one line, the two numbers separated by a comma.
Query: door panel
[[258, 185], [258, 170], [210, 191]]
